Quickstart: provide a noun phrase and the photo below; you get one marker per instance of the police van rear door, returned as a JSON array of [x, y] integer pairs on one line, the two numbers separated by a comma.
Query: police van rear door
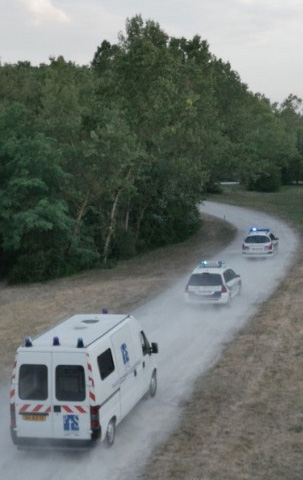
[[32, 395], [70, 397]]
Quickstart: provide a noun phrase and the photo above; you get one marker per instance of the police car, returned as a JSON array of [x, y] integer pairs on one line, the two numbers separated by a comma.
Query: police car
[[260, 242], [212, 282]]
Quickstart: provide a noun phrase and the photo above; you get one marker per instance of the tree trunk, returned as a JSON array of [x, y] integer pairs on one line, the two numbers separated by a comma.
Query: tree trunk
[[111, 225], [79, 218], [140, 218], [111, 228], [126, 219]]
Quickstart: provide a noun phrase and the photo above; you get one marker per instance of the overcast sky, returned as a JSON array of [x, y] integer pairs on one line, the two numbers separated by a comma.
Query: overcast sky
[[261, 39]]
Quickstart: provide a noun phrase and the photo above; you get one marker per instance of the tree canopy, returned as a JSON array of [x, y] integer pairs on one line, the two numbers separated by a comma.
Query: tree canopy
[[102, 162]]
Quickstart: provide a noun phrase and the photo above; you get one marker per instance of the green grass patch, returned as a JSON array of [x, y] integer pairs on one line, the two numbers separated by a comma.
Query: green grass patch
[[286, 204]]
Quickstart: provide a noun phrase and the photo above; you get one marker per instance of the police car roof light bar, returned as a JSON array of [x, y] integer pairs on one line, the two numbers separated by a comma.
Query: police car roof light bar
[[255, 229], [212, 263]]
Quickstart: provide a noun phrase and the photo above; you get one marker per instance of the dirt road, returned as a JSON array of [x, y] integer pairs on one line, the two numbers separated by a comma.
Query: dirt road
[[221, 435], [245, 418]]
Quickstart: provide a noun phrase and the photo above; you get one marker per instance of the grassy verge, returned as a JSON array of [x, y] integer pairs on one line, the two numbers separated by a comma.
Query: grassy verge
[[286, 204]]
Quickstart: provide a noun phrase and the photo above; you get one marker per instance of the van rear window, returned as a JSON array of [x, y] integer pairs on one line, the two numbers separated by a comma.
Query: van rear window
[[33, 382], [70, 383]]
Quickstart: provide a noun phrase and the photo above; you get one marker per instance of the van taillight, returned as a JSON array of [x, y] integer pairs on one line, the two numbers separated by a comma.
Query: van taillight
[[224, 289], [270, 246], [95, 422], [13, 415], [94, 417]]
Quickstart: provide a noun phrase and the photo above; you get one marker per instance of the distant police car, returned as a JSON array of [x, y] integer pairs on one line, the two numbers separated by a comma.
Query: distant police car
[[260, 242], [212, 282]]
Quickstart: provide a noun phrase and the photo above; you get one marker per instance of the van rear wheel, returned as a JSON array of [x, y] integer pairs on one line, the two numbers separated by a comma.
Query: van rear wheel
[[111, 432], [153, 385]]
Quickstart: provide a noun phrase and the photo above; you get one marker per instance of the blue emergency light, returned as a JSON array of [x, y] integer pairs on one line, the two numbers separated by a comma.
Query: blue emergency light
[[255, 229], [80, 343], [211, 264], [28, 342]]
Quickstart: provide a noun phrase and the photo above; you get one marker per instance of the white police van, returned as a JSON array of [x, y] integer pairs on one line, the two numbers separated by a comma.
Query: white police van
[[74, 383]]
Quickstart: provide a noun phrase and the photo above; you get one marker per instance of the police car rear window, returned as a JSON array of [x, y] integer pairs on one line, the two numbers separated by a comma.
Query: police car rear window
[[257, 239], [33, 382], [70, 383], [205, 279]]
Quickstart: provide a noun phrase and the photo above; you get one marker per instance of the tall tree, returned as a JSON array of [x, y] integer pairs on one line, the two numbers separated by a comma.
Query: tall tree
[[34, 222]]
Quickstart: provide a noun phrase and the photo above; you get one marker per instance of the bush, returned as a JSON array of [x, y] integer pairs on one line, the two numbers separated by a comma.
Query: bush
[[213, 187], [124, 245], [268, 181]]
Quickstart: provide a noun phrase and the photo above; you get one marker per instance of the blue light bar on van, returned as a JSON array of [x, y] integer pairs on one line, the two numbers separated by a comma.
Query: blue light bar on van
[[28, 342], [80, 343], [211, 263], [56, 341]]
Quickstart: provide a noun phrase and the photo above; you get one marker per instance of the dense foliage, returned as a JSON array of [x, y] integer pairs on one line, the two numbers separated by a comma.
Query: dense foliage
[[102, 162]]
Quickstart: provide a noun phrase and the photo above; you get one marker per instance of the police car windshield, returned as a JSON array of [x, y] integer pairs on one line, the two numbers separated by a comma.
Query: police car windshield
[[257, 239], [205, 279]]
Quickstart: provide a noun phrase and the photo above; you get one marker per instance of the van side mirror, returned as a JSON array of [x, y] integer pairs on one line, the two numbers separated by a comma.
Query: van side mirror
[[154, 348]]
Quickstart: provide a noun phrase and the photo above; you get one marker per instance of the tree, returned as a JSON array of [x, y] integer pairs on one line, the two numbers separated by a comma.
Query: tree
[[290, 114], [34, 221]]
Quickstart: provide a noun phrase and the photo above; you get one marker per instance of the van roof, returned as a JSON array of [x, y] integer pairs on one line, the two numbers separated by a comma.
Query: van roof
[[88, 327]]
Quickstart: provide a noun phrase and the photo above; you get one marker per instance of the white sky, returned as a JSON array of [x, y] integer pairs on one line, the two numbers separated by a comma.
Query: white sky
[[260, 38]]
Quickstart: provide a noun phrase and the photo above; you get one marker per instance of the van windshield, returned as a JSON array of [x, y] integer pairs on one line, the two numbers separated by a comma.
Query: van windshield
[[205, 280], [33, 382], [70, 383]]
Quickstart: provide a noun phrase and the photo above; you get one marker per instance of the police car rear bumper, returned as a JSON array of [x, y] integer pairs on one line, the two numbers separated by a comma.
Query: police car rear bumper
[[257, 254], [211, 299]]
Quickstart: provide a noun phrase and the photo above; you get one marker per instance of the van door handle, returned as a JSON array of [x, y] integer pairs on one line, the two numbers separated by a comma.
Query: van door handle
[[57, 408], [135, 372], [143, 364]]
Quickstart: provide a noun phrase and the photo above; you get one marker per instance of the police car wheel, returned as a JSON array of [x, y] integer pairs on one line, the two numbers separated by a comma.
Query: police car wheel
[[153, 385], [111, 433]]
